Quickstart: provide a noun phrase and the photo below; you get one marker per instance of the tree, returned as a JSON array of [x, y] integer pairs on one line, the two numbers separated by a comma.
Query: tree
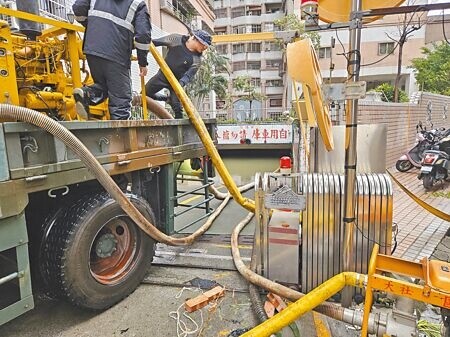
[[292, 22], [244, 83], [388, 93], [406, 28], [433, 70], [209, 78]]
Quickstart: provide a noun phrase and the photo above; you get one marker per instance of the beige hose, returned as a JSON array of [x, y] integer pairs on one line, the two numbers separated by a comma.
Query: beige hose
[[222, 195], [328, 309], [36, 118]]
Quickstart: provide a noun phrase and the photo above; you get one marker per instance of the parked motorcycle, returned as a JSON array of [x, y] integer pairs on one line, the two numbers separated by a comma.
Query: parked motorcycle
[[424, 141], [436, 163]]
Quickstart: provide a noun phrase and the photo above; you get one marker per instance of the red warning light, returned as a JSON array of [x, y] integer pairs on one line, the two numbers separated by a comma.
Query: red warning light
[[285, 164]]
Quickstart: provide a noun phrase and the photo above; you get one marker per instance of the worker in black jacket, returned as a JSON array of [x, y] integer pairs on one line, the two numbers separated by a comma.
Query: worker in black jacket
[[113, 27], [183, 58]]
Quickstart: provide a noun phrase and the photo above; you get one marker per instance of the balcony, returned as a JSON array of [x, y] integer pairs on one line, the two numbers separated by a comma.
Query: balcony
[[271, 17], [222, 22], [188, 11], [274, 90], [168, 7], [247, 20], [244, 116]]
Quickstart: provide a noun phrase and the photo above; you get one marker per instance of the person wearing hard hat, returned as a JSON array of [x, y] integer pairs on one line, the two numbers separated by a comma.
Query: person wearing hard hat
[[183, 58]]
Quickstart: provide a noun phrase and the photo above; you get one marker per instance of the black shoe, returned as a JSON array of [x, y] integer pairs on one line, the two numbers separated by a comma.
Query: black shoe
[[81, 102]]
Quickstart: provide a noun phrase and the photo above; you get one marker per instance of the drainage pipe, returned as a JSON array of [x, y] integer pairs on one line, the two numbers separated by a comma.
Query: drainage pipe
[[56, 129]]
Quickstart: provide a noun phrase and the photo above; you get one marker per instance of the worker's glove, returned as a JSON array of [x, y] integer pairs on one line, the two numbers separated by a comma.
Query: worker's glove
[[182, 84]]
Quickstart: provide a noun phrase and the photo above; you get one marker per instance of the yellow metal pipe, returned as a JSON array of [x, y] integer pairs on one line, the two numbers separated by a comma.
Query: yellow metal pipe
[[369, 294], [41, 19], [72, 46], [263, 36], [306, 303], [144, 99], [203, 133]]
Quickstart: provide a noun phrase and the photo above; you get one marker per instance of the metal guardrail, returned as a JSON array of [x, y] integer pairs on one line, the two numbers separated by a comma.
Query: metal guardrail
[[200, 190], [55, 9]]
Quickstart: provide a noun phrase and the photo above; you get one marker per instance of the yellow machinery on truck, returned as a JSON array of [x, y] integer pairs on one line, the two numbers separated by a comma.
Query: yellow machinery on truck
[[41, 72]]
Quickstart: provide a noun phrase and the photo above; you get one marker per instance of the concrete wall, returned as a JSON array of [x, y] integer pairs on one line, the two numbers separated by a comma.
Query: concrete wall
[[401, 120]]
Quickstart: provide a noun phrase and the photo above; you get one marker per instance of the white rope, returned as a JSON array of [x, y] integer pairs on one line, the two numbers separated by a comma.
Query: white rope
[[186, 288], [182, 326]]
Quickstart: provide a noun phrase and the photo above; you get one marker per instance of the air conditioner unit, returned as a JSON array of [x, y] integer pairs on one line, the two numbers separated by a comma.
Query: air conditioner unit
[[11, 20]]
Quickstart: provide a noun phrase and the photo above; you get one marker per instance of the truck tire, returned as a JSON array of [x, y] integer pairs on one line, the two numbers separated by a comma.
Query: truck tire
[[93, 254]]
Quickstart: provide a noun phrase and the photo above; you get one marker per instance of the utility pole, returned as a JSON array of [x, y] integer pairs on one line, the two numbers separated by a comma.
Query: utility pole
[[353, 67]]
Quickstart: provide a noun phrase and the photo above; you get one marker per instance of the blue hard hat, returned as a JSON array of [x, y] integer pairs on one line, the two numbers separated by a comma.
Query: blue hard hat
[[203, 36]]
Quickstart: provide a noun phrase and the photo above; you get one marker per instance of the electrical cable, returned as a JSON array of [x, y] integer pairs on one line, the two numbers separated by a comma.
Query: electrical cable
[[35, 91], [443, 27], [345, 54]]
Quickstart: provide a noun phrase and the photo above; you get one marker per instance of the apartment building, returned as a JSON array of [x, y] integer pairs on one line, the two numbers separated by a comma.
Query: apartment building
[[261, 61], [379, 51]]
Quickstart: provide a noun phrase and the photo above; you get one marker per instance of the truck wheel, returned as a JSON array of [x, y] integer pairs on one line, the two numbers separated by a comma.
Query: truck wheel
[[403, 165], [427, 181], [93, 254]]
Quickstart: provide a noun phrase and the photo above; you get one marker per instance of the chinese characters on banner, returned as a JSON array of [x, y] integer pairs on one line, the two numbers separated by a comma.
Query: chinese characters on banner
[[256, 134]]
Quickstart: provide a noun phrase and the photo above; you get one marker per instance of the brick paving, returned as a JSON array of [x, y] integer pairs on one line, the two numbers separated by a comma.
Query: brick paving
[[419, 232]]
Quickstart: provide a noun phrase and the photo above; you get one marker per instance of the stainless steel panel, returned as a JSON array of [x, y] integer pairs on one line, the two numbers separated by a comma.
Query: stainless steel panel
[[371, 150], [322, 228], [283, 243], [278, 234]]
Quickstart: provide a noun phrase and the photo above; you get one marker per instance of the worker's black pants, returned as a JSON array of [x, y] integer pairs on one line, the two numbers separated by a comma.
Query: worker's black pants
[[113, 81], [154, 85]]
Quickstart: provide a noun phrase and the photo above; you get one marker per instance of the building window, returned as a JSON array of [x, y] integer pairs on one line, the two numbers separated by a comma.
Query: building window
[[220, 30], [254, 65], [221, 13], [274, 83], [385, 48], [275, 102], [239, 48], [237, 12], [222, 49], [241, 29], [269, 27], [53, 8], [273, 46], [254, 48], [238, 66], [273, 63], [273, 9], [256, 28], [256, 82], [254, 11], [220, 105], [325, 52]]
